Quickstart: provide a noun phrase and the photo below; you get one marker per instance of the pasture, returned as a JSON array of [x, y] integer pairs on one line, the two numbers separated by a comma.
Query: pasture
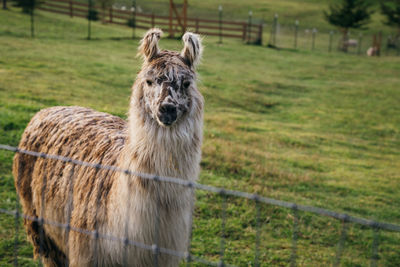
[[313, 128], [308, 12]]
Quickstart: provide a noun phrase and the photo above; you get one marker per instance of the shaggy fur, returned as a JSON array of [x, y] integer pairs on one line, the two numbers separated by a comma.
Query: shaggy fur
[[111, 202]]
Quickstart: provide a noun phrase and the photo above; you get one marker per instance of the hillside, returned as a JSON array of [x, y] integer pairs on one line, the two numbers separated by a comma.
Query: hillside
[[313, 128], [308, 12]]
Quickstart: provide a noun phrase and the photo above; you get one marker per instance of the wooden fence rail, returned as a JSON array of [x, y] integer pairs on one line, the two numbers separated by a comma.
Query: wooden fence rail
[[250, 33]]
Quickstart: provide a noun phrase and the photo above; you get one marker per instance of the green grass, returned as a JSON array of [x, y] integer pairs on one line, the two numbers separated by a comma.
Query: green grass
[[309, 127], [308, 12]]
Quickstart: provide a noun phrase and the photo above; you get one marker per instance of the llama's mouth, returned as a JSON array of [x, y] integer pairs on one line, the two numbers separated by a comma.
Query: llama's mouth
[[167, 115], [166, 120]]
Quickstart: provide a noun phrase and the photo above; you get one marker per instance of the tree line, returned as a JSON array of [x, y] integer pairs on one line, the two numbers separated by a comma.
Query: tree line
[[356, 14]]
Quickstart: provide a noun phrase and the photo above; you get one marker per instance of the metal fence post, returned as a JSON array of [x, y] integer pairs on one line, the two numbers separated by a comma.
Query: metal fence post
[[398, 46], [223, 228], [296, 31], [220, 23], [96, 222], [375, 247], [342, 240], [71, 11], [260, 33], [156, 245], [275, 28], [32, 22], [69, 208], [134, 19], [272, 38], [89, 19], [17, 216], [127, 222], [330, 40], [249, 26], [360, 38], [192, 207], [258, 232], [295, 236], [314, 34]]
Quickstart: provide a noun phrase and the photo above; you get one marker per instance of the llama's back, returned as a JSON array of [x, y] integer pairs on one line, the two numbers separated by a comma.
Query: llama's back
[[81, 134]]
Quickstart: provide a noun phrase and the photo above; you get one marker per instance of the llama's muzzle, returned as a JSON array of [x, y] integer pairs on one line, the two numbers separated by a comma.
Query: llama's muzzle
[[167, 114]]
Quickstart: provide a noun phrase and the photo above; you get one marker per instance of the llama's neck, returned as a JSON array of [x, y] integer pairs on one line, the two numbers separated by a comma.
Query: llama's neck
[[173, 152]]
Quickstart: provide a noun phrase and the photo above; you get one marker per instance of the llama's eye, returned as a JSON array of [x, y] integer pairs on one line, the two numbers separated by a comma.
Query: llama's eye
[[186, 84], [149, 82]]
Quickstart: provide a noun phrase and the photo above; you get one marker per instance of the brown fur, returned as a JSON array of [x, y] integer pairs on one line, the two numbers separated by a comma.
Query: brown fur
[[91, 136]]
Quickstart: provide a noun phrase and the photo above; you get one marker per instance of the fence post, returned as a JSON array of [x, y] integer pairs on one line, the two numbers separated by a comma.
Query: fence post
[[152, 20], [258, 230], [71, 11], [375, 248], [32, 22], [89, 19], [360, 37], [17, 216], [184, 15], [260, 33], [272, 38], [314, 34], [170, 20], [330, 40], [4, 4], [134, 19], [296, 31], [110, 14], [275, 27], [398, 46], [388, 44], [220, 23], [249, 26], [244, 31], [197, 25], [379, 43]]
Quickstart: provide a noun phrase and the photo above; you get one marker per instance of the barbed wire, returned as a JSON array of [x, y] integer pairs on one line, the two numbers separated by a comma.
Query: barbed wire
[[344, 218]]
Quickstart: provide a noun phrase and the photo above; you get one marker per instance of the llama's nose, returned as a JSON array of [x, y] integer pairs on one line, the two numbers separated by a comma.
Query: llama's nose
[[167, 114]]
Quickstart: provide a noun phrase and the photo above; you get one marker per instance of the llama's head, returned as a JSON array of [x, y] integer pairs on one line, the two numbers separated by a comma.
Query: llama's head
[[166, 85]]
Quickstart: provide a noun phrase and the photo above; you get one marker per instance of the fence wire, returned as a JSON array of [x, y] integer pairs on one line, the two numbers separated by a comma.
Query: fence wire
[[297, 37], [376, 226]]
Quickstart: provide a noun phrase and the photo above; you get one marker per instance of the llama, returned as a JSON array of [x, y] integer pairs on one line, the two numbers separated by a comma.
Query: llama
[[162, 136]]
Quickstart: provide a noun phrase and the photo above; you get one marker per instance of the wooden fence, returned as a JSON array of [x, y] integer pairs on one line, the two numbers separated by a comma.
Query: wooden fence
[[246, 31]]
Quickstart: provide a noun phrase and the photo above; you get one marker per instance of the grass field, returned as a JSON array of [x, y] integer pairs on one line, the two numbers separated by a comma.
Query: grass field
[[314, 128], [308, 12]]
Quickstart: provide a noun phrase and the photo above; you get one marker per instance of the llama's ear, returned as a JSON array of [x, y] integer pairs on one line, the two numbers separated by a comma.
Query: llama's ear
[[193, 49], [148, 48]]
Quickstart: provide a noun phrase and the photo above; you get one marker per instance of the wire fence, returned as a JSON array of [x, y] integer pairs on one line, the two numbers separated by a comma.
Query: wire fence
[[298, 37], [134, 16], [214, 22], [345, 219]]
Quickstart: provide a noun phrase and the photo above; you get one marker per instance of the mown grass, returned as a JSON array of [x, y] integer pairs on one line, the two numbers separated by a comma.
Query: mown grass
[[308, 12], [309, 127]]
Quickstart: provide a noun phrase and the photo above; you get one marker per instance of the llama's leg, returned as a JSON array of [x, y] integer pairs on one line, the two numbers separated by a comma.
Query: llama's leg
[[32, 231], [43, 246]]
